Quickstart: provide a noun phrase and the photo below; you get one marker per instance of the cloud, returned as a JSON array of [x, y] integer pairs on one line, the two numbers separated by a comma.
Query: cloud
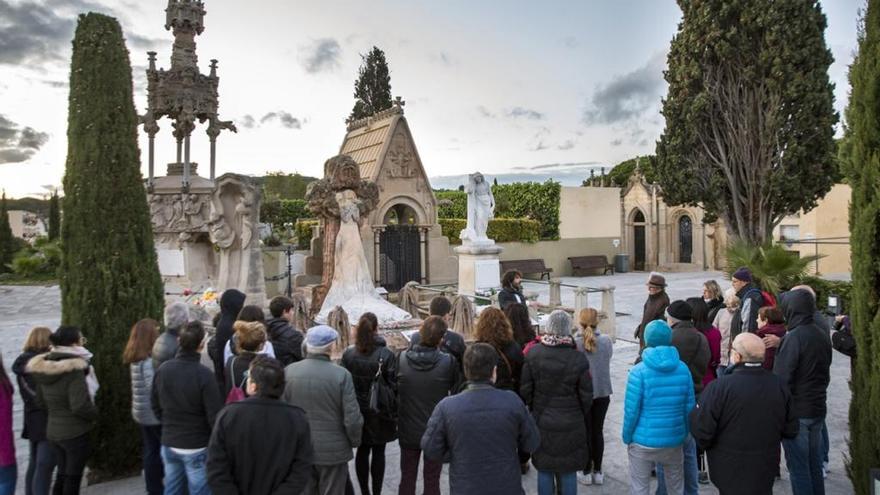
[[442, 58], [539, 147], [320, 56], [19, 144], [284, 118], [567, 145], [32, 33], [629, 95], [570, 42], [616, 142], [527, 113], [247, 121], [483, 111]]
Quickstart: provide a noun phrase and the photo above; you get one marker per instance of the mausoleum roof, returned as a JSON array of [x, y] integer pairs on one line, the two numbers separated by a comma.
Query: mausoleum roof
[[368, 139]]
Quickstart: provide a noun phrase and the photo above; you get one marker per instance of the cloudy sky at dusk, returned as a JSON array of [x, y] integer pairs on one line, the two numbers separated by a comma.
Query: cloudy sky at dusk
[[518, 88]]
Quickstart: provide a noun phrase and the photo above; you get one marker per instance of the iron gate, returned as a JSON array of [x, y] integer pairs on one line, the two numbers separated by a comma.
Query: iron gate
[[400, 256], [639, 241]]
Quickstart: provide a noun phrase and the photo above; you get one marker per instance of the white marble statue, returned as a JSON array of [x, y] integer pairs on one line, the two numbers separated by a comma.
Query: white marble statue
[[480, 208], [352, 286]]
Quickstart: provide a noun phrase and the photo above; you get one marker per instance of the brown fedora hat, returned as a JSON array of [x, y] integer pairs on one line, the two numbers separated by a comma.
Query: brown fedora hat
[[657, 280]]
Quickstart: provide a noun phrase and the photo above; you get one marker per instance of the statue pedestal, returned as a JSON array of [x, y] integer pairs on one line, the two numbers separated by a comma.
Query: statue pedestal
[[478, 267]]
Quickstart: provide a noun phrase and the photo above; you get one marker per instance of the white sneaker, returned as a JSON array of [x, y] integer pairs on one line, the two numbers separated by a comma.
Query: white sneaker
[[598, 478], [584, 479]]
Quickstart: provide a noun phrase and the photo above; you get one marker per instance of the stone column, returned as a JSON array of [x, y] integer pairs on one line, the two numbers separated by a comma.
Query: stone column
[[580, 299], [555, 293], [608, 324]]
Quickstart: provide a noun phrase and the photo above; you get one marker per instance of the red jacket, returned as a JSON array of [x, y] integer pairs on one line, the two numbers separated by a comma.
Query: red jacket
[[777, 329]]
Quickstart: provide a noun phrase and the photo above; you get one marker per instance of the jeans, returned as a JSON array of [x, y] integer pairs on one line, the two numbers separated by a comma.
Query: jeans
[[185, 471], [72, 456], [643, 459], [409, 473], [550, 483], [803, 455], [153, 469], [597, 439], [691, 485], [8, 477], [826, 446], [41, 464], [364, 468]]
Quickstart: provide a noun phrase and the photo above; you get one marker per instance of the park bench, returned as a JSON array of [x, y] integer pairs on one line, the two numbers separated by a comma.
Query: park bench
[[527, 266], [581, 264]]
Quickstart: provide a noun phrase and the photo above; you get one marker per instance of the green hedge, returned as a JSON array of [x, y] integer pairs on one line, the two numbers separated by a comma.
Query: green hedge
[[825, 287], [526, 200], [500, 229], [303, 232], [279, 212]]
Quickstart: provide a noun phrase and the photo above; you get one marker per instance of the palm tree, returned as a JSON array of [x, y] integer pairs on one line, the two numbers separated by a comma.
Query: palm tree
[[773, 267]]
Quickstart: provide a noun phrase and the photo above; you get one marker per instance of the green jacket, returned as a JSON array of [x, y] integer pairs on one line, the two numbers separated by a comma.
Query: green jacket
[[62, 389]]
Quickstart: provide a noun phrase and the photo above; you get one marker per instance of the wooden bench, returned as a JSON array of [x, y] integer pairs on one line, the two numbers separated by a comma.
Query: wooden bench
[[581, 264], [527, 266]]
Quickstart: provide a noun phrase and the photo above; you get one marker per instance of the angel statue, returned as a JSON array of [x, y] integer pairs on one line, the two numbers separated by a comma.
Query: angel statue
[[480, 208]]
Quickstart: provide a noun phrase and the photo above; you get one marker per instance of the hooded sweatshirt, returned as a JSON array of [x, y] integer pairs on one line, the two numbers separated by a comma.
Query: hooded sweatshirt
[[425, 377], [231, 303], [659, 397], [803, 360]]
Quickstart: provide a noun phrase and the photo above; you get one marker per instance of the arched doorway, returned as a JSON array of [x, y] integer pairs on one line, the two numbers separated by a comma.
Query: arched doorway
[[400, 250], [685, 239], [639, 241]]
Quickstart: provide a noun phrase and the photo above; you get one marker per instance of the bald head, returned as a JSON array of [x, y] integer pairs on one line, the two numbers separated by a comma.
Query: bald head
[[750, 347], [805, 288]]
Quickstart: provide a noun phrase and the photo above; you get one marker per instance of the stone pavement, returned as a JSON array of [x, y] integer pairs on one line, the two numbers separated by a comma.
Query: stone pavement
[[24, 307]]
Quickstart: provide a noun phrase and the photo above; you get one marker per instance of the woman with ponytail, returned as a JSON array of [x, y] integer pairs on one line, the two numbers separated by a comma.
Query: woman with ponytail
[[598, 349]]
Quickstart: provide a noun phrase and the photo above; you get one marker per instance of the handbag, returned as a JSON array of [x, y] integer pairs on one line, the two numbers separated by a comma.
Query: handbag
[[381, 398]]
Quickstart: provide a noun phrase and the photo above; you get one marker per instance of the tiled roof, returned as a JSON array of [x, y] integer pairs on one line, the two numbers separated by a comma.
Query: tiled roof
[[367, 138]]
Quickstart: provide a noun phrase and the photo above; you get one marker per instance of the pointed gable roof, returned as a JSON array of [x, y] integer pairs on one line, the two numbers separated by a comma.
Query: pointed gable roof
[[368, 140]]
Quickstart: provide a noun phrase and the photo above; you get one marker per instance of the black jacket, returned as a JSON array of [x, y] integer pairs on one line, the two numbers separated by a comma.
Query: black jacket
[[452, 343], [803, 360], [35, 416], [740, 420], [715, 305], [557, 388], [508, 296], [508, 367], [286, 340], [63, 390], [693, 350], [425, 376], [165, 347], [379, 429], [186, 400], [480, 431], [260, 446], [231, 302]]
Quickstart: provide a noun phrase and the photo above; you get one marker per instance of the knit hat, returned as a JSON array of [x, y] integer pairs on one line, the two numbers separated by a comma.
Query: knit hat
[[657, 280], [680, 310], [319, 338], [657, 333], [743, 274]]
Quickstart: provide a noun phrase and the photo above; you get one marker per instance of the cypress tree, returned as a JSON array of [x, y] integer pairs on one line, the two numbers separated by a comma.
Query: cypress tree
[[749, 112], [862, 166], [7, 243], [372, 90], [54, 217], [109, 271]]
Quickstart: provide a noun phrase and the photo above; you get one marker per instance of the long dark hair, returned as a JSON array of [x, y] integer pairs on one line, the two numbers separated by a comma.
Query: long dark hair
[[521, 323], [508, 278], [700, 313], [365, 333]]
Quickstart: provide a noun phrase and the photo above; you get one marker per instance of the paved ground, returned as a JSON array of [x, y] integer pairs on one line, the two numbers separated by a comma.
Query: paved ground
[[24, 307]]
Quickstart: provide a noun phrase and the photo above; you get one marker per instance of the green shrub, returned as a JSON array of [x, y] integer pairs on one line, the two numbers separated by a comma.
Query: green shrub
[[303, 231], [500, 229], [773, 267], [452, 204], [279, 212], [38, 261], [824, 288], [27, 265]]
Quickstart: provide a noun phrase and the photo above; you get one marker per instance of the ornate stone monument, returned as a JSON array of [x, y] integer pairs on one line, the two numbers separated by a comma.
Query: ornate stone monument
[[205, 230], [478, 266]]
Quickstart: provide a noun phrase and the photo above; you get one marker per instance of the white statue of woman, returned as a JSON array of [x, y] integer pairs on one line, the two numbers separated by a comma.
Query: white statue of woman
[[480, 208], [352, 287]]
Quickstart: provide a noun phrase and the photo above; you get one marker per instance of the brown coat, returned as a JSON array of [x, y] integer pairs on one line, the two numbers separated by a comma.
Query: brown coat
[[655, 309]]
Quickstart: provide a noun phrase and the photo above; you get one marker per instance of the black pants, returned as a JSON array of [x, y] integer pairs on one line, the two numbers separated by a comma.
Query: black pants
[[154, 469], [596, 438], [41, 464], [72, 456], [365, 468]]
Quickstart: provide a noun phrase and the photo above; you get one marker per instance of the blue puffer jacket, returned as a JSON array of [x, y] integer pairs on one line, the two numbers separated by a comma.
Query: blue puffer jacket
[[659, 397]]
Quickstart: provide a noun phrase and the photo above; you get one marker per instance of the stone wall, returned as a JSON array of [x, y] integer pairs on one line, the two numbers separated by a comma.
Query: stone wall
[[589, 212]]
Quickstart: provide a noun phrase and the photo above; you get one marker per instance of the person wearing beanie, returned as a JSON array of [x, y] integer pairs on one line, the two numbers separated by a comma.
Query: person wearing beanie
[[325, 391], [693, 351], [655, 306], [659, 397], [751, 300], [558, 390]]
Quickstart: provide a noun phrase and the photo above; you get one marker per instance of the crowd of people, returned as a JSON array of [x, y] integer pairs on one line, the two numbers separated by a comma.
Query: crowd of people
[[720, 382]]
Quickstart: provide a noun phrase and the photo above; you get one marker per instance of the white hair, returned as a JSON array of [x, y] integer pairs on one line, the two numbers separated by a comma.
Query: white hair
[[176, 315]]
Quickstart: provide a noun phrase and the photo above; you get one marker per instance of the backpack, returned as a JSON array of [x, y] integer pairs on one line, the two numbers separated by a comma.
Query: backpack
[[767, 298], [236, 393]]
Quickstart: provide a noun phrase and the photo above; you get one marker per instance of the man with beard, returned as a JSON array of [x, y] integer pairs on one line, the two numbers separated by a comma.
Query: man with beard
[[511, 289]]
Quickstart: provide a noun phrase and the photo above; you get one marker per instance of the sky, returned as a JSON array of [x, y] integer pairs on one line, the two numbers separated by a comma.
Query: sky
[[519, 90]]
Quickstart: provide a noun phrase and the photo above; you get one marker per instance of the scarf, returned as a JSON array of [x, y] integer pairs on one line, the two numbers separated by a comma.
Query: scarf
[[557, 340], [82, 352]]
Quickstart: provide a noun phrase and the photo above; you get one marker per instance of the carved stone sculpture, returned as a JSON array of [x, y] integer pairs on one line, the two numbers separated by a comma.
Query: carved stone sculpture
[[480, 208]]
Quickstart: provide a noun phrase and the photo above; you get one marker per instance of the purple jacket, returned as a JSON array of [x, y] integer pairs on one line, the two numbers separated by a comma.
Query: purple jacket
[[7, 444]]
